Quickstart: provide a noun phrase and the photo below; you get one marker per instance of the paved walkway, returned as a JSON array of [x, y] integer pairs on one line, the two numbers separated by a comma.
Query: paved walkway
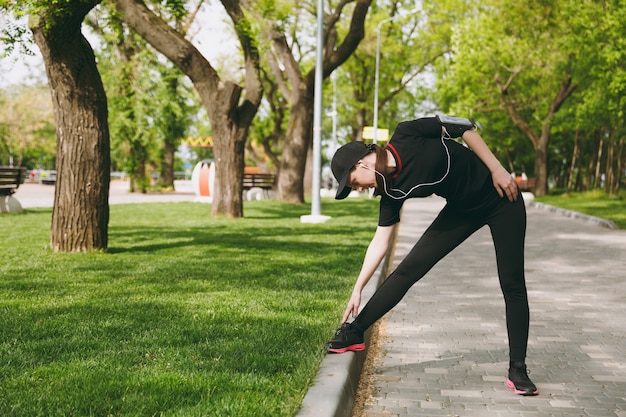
[[445, 345], [37, 195]]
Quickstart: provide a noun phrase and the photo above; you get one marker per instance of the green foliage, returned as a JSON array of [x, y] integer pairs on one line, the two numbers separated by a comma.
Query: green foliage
[[499, 42], [175, 9], [460, 46], [280, 12], [27, 128], [130, 113], [409, 45], [15, 39], [603, 40], [173, 102], [184, 315], [522, 53], [151, 107]]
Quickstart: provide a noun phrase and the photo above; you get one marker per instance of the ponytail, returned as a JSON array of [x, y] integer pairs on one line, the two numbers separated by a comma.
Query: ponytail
[[381, 166]]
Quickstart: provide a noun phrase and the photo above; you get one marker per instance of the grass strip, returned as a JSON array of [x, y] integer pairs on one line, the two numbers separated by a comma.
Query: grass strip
[[184, 315]]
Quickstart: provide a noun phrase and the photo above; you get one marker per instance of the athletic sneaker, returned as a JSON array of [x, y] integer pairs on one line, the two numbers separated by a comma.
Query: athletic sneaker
[[519, 381], [346, 338]]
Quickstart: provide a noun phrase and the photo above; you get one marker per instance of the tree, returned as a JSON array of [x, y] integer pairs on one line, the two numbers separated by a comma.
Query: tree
[[519, 60], [81, 210], [125, 62], [229, 112], [291, 62], [148, 98], [410, 43], [602, 105], [174, 110]]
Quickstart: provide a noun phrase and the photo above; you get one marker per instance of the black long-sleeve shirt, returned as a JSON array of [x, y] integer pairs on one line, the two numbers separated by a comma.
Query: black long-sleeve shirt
[[426, 164]]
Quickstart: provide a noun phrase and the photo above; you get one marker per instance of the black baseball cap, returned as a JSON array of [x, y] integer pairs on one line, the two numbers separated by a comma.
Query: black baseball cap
[[343, 161]]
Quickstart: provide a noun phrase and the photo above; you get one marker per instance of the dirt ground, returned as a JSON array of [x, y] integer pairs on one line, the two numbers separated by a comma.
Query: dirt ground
[[366, 383]]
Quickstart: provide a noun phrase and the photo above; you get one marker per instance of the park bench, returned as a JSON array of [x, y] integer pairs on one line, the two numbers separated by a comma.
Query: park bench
[[257, 185], [263, 181], [528, 184], [10, 180]]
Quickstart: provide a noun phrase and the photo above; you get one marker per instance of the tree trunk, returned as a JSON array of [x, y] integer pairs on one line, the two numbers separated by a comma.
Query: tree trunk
[[540, 142], [139, 179], [572, 167], [360, 121], [80, 215], [621, 156], [608, 184], [172, 129], [588, 181], [167, 164], [230, 114], [228, 147], [290, 182], [578, 185], [541, 169], [299, 136], [596, 177]]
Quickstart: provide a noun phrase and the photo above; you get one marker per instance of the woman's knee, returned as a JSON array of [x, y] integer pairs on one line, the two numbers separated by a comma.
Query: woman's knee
[[514, 289]]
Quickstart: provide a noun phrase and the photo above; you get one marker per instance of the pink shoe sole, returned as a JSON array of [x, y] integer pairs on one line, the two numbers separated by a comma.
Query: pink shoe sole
[[354, 348], [511, 385]]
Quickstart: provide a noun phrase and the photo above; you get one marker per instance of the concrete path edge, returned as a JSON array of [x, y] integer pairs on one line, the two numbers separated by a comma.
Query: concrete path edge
[[574, 215]]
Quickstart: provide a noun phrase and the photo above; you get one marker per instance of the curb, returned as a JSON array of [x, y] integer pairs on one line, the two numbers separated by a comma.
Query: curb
[[574, 215], [334, 387]]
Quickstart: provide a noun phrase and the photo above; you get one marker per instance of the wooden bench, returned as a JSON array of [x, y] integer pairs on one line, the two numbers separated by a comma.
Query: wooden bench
[[257, 185], [258, 180], [10, 179], [526, 185]]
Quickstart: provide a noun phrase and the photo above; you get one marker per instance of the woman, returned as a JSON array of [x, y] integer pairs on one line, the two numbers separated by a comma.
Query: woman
[[421, 160]]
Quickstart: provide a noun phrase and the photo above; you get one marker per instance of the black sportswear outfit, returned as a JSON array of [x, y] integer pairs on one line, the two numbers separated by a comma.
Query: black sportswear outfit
[[426, 164]]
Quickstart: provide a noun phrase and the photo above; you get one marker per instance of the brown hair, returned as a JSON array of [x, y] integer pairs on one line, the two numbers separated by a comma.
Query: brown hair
[[381, 168]]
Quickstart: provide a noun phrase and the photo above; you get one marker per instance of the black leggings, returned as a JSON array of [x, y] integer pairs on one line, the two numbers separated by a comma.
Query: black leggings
[[452, 226]]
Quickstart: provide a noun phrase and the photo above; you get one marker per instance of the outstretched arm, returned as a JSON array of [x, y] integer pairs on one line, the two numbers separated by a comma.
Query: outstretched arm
[[373, 257], [503, 181]]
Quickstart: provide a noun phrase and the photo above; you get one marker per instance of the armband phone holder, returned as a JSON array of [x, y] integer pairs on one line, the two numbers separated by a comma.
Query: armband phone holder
[[455, 126], [455, 121]]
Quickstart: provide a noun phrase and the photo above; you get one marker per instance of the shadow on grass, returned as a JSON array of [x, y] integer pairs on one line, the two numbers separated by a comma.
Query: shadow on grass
[[185, 314], [147, 357]]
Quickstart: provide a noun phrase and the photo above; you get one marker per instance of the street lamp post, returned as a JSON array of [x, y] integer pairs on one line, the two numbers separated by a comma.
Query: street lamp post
[[376, 79], [316, 211]]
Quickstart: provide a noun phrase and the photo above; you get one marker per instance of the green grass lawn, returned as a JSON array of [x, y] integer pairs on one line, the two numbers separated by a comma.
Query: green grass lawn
[[594, 203], [184, 315]]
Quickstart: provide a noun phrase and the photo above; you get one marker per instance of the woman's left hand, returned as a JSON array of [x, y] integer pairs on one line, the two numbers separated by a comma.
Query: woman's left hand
[[505, 183]]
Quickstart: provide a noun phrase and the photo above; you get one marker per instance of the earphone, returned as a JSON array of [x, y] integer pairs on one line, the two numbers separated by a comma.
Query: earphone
[[370, 169]]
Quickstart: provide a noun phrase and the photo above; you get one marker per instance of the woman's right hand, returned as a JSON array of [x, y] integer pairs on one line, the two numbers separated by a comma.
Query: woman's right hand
[[353, 306]]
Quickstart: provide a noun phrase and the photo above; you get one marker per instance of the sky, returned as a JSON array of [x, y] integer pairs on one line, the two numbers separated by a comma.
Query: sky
[[216, 40]]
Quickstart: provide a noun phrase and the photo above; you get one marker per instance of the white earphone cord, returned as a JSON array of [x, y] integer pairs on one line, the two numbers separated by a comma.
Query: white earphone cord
[[406, 194]]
